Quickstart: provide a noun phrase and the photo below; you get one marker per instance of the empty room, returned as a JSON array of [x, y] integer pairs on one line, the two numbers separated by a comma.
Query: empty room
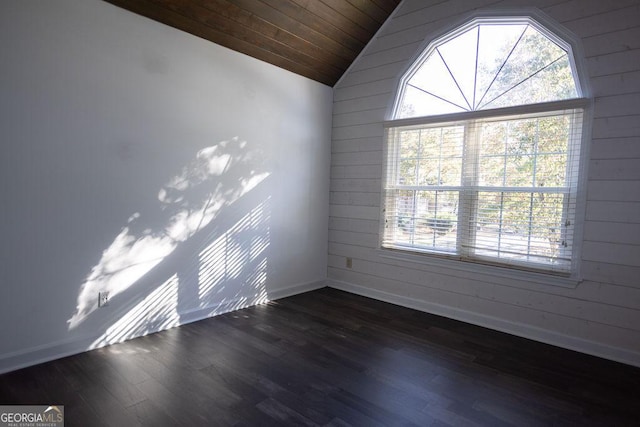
[[320, 212]]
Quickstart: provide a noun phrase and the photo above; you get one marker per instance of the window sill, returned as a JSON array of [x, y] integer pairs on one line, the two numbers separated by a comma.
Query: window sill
[[478, 268]]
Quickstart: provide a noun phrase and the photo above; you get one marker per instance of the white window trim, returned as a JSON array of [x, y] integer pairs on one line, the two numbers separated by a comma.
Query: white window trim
[[539, 19], [542, 107], [526, 20], [572, 43]]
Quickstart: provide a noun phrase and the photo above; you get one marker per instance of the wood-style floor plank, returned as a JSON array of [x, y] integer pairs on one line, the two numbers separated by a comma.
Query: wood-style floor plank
[[329, 358]]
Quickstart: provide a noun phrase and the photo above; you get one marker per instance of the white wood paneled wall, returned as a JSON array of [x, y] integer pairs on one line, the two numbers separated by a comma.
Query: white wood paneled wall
[[602, 314]]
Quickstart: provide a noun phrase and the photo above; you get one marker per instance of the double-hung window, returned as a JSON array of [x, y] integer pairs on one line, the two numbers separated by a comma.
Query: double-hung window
[[482, 153]]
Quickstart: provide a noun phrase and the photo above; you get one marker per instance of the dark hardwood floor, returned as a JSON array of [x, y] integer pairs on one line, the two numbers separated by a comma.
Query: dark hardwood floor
[[331, 358]]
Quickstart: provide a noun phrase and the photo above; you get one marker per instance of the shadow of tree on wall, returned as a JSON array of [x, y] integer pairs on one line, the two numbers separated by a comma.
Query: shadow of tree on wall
[[201, 247]]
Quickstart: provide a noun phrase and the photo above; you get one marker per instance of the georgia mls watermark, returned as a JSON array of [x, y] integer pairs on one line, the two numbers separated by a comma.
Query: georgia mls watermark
[[31, 416]]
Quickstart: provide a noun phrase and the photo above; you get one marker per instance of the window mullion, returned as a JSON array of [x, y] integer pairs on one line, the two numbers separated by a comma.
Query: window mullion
[[530, 226], [573, 154], [391, 209], [534, 183], [468, 204]]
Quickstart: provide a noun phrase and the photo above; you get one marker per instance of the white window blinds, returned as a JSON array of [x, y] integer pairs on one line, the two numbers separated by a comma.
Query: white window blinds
[[497, 190]]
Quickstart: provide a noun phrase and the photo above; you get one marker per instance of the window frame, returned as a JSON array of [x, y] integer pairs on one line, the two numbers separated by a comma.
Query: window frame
[[583, 101]]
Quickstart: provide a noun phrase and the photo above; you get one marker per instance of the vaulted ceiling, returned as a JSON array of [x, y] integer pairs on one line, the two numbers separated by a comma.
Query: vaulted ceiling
[[317, 39]]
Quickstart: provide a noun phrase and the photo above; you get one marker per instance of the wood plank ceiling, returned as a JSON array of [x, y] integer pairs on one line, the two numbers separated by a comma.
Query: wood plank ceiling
[[317, 39]]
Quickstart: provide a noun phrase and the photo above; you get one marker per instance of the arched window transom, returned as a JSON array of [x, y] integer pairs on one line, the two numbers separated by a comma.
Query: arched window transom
[[488, 64]]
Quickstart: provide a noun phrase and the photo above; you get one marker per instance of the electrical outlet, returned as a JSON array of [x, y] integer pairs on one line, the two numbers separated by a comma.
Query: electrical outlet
[[349, 262], [103, 299]]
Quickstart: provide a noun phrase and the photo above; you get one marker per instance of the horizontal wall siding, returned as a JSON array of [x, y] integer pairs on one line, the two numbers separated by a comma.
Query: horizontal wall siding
[[611, 190], [589, 290], [603, 311], [616, 148]]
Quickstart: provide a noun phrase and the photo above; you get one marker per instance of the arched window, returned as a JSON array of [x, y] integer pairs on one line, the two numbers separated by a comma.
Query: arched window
[[483, 149]]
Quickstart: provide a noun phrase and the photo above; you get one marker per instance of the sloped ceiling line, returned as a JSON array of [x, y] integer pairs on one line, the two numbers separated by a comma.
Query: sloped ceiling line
[[317, 39]]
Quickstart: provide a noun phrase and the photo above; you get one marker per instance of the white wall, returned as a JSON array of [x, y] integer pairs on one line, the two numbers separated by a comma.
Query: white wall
[[602, 314], [184, 178]]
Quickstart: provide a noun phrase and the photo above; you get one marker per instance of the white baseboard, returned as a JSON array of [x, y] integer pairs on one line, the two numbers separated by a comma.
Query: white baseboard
[[33, 356], [298, 289], [226, 307], [519, 329], [45, 353]]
